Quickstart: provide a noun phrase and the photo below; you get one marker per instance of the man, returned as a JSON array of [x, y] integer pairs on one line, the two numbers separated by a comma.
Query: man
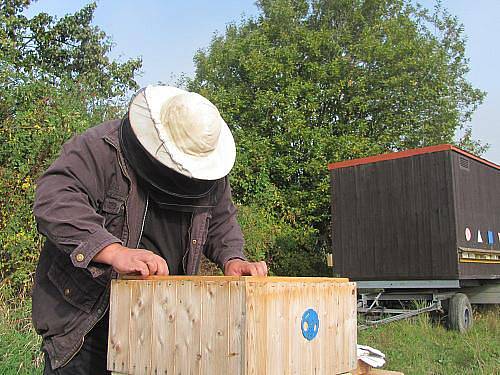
[[147, 195]]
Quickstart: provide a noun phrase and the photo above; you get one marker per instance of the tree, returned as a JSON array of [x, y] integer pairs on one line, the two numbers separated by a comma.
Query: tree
[[70, 47], [309, 82], [56, 80]]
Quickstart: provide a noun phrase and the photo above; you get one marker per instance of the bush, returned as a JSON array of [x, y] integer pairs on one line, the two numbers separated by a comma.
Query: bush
[[37, 118], [288, 250], [56, 80]]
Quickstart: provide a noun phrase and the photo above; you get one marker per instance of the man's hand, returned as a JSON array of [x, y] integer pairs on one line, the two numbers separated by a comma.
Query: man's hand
[[125, 260], [238, 267]]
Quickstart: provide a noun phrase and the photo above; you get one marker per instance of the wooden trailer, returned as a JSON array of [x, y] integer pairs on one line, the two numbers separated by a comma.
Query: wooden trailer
[[422, 223]]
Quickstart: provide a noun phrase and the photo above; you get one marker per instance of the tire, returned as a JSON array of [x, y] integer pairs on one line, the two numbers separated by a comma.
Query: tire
[[460, 313]]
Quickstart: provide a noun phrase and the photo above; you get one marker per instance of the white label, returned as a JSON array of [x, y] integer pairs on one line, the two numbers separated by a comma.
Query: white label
[[468, 234]]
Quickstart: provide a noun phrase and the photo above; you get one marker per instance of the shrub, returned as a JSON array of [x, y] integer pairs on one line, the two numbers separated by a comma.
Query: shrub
[[288, 250]]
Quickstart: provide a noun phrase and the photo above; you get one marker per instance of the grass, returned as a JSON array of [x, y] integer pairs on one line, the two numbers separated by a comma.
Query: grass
[[422, 347], [19, 343], [415, 347]]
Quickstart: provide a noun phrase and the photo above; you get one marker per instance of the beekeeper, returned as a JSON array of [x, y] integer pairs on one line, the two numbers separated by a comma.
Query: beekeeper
[[147, 194]]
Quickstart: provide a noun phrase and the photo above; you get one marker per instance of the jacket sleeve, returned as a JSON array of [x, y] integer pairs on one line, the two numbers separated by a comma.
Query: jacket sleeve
[[67, 198], [225, 239]]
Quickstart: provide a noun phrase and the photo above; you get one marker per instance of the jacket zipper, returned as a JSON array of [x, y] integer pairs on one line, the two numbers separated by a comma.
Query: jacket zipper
[[188, 247], [143, 222]]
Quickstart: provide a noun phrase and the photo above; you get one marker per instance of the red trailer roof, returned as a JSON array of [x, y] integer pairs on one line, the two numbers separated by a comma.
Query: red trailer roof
[[408, 153]]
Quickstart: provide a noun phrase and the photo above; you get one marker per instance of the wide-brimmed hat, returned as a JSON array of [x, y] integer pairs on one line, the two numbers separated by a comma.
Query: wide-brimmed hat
[[183, 131]]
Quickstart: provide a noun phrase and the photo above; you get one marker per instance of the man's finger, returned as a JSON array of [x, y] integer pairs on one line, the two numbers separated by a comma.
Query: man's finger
[[145, 256], [162, 267], [231, 271], [253, 269], [262, 268], [142, 268], [153, 266], [264, 265]]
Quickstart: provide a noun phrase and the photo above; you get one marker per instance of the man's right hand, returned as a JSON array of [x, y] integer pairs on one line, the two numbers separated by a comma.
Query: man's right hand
[[125, 260]]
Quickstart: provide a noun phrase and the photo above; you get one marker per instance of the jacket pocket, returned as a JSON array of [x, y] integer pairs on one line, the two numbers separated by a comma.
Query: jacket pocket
[[75, 285], [113, 210]]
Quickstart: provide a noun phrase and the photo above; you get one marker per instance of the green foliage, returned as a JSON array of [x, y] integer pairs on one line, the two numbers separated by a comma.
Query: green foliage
[[44, 101], [281, 245], [260, 231], [310, 82], [69, 47]]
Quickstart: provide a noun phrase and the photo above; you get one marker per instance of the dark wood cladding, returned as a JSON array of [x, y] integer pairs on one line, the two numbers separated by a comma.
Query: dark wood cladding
[[477, 205], [404, 218]]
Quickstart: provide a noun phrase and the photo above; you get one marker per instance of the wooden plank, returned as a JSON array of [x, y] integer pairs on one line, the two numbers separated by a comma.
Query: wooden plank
[[251, 333], [303, 303], [163, 335], [262, 334], [277, 334], [141, 315], [271, 342], [329, 326], [253, 279], [348, 321], [195, 316], [119, 317], [288, 326], [335, 316], [294, 331], [215, 306], [320, 353], [187, 355], [341, 334], [236, 328]]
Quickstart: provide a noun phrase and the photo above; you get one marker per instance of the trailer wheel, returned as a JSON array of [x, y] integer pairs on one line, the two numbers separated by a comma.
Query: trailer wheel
[[460, 313]]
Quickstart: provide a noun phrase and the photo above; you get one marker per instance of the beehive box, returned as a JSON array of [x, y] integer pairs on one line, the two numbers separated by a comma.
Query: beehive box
[[232, 325]]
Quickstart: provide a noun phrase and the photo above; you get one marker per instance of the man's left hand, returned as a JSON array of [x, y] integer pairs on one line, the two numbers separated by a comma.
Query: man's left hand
[[239, 267]]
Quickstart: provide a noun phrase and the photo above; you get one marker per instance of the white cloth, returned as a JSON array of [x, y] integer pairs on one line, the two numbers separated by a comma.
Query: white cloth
[[370, 356]]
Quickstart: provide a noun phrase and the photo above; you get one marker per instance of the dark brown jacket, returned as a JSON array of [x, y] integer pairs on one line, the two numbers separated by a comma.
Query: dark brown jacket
[[87, 199]]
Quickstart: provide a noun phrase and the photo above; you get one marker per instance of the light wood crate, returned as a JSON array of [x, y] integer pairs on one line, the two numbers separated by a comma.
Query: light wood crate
[[232, 325]]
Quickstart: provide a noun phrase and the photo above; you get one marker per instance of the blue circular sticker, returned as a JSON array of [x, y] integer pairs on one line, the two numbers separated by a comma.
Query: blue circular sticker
[[309, 324]]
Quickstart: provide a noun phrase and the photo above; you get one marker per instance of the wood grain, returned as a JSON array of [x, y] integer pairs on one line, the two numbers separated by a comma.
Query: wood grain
[[187, 328], [219, 325], [141, 316], [236, 328], [164, 317], [118, 337]]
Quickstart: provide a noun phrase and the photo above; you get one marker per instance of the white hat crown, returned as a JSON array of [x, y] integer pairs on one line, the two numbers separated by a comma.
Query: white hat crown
[[193, 123]]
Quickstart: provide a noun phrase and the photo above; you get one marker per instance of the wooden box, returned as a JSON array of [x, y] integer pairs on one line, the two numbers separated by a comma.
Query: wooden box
[[232, 325]]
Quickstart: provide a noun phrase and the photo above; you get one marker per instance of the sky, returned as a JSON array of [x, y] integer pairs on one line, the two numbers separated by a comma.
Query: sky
[[167, 34]]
